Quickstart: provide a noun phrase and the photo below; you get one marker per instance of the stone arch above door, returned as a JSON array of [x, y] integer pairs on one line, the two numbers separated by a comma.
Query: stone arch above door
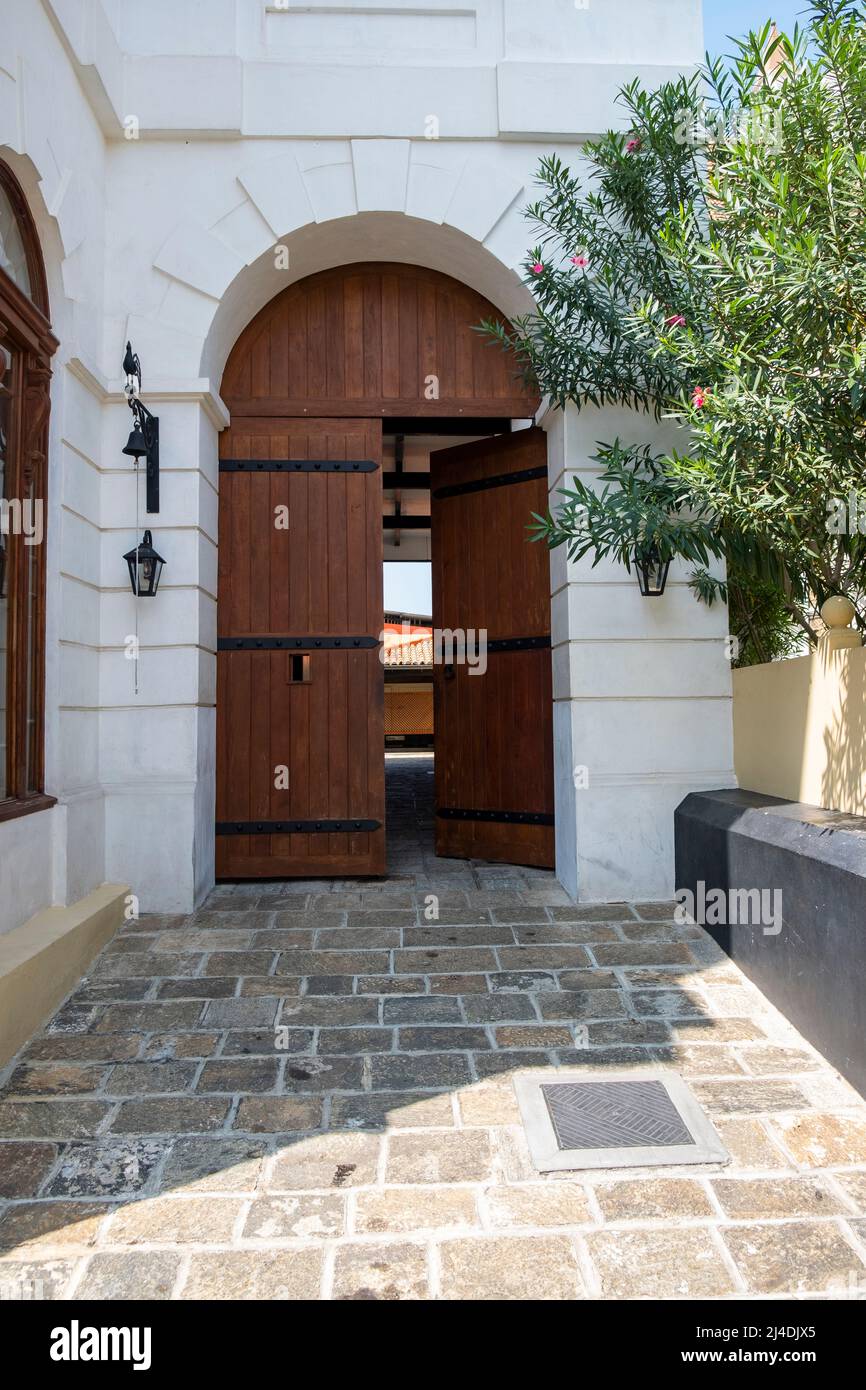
[[374, 339], [457, 209]]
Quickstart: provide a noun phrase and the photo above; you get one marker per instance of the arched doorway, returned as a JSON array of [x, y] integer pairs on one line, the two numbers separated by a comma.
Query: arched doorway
[[27, 345], [326, 371]]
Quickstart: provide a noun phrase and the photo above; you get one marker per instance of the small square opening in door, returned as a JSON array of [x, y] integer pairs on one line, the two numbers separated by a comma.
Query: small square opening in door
[[298, 668]]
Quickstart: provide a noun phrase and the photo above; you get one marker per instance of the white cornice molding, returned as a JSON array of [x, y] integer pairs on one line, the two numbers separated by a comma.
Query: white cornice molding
[[198, 391], [714, 780], [90, 377], [94, 53]]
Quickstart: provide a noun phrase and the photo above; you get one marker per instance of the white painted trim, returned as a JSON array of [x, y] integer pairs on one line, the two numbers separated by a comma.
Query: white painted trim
[[198, 392], [704, 780]]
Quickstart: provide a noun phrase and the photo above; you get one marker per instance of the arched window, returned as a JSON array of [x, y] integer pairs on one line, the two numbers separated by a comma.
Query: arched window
[[26, 348]]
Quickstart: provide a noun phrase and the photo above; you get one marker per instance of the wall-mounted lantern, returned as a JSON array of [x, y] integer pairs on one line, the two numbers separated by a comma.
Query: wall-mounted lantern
[[145, 568], [143, 441], [652, 571]]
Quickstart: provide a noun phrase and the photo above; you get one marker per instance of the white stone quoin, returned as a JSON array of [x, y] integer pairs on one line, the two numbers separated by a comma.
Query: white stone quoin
[[165, 150]]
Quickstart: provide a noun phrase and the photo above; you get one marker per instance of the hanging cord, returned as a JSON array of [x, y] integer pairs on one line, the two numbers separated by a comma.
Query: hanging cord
[[137, 580]]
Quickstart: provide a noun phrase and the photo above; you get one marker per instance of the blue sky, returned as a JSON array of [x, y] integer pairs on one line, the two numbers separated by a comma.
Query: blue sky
[[737, 17], [407, 588]]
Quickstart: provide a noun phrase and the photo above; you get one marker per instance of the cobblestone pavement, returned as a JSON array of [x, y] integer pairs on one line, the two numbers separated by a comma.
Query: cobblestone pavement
[[154, 1143]]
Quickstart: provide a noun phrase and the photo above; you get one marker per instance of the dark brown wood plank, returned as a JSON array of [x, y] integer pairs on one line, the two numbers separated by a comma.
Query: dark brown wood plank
[[353, 320], [363, 340]]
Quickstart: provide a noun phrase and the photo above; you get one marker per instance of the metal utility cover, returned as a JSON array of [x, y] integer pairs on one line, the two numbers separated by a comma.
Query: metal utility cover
[[614, 1120]]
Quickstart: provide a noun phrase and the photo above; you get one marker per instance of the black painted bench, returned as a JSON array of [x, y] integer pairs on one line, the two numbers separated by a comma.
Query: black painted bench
[[814, 968]]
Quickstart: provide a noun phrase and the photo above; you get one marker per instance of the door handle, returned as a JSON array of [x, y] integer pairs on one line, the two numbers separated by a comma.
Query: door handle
[[448, 671]]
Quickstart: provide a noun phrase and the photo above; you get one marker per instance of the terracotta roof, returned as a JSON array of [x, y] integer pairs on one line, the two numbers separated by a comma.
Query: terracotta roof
[[408, 649]]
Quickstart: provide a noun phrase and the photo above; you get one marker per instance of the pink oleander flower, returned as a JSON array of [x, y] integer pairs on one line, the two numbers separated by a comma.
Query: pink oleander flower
[[580, 260], [538, 268], [675, 321], [633, 145], [699, 397]]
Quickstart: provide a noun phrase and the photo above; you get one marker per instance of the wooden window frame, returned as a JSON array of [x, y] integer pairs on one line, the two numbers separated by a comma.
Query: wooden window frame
[[25, 327]]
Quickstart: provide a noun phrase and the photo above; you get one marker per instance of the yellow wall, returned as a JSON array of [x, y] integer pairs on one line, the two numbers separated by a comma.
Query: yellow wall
[[800, 729], [408, 709]]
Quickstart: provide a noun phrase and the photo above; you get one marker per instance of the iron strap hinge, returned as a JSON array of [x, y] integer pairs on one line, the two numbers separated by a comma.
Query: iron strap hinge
[[505, 817], [298, 466], [295, 827], [525, 475], [270, 644], [517, 644]]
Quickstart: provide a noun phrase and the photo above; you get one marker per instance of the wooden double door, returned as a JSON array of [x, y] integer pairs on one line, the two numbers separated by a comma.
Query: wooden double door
[[300, 694], [300, 688]]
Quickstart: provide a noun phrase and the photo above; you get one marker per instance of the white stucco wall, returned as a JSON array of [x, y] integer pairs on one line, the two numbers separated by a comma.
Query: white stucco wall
[[309, 127], [52, 140], [641, 688]]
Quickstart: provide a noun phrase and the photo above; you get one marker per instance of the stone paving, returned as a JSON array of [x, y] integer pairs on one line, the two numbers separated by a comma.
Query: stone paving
[[304, 1091]]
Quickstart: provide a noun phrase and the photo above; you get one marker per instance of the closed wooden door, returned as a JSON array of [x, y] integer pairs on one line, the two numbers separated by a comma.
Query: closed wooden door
[[494, 726], [300, 722]]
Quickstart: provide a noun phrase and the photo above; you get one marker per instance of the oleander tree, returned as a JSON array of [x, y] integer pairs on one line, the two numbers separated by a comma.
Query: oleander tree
[[709, 266]]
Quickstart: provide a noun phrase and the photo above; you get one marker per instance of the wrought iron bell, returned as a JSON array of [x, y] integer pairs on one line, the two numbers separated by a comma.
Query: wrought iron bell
[[135, 447]]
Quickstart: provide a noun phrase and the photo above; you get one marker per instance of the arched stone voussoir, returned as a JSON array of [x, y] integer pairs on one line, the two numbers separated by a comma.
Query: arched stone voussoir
[[44, 194], [483, 195], [197, 258], [363, 236], [432, 184], [172, 353], [277, 189], [68, 207], [510, 240], [244, 231], [381, 174], [329, 178]]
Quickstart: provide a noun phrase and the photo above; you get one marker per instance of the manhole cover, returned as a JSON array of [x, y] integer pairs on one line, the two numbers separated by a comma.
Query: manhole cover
[[614, 1114], [613, 1121]]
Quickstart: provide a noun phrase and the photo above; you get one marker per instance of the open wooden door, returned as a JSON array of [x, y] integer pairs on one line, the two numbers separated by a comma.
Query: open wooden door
[[493, 731], [300, 703]]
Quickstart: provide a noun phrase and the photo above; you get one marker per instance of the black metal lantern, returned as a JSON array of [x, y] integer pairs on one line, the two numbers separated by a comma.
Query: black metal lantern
[[145, 568], [652, 572]]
